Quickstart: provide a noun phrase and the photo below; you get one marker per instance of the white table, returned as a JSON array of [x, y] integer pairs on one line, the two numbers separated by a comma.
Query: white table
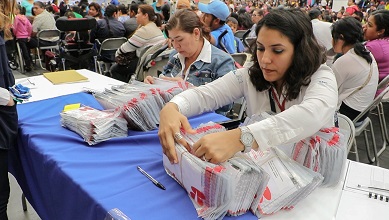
[[42, 88], [321, 204]]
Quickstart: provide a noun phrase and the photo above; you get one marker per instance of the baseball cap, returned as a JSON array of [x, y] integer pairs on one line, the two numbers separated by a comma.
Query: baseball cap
[[216, 8]]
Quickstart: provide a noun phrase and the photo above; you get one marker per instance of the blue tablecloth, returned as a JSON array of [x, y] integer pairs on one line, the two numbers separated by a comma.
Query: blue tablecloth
[[65, 178]]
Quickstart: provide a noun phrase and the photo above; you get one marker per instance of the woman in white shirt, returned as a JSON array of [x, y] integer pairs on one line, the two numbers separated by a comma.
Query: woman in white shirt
[[356, 71], [287, 70]]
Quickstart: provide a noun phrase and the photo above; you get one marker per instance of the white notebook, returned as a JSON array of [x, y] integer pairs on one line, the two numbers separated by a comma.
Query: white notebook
[[365, 193]]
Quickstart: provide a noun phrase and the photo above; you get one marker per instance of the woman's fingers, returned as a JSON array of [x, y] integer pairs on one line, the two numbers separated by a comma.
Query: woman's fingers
[[149, 80]]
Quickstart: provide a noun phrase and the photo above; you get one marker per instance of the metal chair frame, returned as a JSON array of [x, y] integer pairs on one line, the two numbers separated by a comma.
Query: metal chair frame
[[367, 123], [108, 46], [381, 114], [240, 58], [155, 62], [47, 33], [346, 124]]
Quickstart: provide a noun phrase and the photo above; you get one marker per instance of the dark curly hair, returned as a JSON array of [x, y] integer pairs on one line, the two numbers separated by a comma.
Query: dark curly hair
[[308, 54]]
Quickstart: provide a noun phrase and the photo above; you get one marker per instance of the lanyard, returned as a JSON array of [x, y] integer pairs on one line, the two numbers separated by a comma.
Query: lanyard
[[274, 97]]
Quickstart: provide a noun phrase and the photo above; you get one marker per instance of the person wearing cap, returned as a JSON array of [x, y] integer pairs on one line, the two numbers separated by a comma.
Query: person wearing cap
[[322, 32], [214, 16]]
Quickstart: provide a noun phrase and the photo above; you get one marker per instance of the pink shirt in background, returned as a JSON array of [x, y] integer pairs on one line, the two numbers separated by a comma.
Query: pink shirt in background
[[380, 50], [22, 27]]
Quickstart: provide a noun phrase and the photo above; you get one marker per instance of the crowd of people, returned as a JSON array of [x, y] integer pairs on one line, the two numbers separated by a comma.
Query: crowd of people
[[305, 57]]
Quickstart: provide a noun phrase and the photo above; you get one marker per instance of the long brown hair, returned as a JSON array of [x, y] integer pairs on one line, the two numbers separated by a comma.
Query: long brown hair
[[6, 13], [187, 20], [147, 9]]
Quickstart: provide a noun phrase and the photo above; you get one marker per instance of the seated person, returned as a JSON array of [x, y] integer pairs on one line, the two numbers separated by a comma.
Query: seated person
[[288, 68], [123, 13], [376, 32], [77, 11], [130, 24], [43, 21], [214, 16], [108, 27], [148, 34], [233, 23], [244, 20], [256, 16], [95, 11], [356, 71], [194, 60], [22, 30]]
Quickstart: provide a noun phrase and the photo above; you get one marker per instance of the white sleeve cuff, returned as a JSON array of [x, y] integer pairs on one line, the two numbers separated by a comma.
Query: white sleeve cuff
[[182, 103], [4, 96]]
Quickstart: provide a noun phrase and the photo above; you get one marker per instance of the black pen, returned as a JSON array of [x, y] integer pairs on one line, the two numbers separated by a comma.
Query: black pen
[[151, 178]]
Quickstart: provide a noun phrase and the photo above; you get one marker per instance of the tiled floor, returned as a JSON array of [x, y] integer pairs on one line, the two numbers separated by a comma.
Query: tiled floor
[[15, 210]]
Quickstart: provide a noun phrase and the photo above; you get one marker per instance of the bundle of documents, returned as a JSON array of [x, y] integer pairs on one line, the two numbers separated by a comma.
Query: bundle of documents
[[289, 181], [94, 125], [139, 102], [324, 152], [216, 190]]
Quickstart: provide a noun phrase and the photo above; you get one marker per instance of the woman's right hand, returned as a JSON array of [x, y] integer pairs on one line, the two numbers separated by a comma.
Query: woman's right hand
[[149, 80], [170, 123]]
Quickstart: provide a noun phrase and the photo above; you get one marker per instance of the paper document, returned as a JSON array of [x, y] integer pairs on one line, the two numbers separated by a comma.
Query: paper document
[[68, 76], [365, 193]]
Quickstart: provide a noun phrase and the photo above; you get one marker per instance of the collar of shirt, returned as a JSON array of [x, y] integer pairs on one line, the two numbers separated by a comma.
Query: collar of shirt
[[204, 56]]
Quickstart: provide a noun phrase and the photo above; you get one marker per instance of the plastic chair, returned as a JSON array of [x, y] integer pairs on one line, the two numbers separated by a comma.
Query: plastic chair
[[47, 34], [140, 69], [366, 124], [249, 41], [240, 58], [107, 48], [239, 34], [346, 124], [221, 44], [154, 63]]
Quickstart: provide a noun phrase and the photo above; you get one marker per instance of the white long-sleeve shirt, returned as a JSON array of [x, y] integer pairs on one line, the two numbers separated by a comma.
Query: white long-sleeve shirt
[[312, 110], [351, 72], [4, 96]]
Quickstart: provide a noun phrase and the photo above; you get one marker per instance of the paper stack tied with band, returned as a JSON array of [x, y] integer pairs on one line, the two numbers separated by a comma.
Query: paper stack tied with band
[[94, 125], [216, 190], [139, 102]]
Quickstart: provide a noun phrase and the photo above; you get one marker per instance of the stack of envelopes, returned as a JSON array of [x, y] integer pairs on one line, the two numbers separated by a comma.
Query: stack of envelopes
[[94, 125], [216, 190]]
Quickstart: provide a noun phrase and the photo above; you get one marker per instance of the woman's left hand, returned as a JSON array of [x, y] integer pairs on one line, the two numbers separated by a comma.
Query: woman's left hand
[[218, 147]]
